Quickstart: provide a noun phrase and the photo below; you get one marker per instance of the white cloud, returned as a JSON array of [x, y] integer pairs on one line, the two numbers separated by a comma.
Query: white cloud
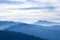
[[27, 15], [17, 0], [7, 12]]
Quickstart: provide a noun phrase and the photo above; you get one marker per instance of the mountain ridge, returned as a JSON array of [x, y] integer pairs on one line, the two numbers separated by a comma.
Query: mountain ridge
[[11, 35]]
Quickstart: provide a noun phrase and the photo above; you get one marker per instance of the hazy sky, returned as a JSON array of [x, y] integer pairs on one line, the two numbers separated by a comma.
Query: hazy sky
[[30, 10]]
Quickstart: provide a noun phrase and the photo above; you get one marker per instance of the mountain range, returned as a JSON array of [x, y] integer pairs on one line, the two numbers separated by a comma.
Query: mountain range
[[46, 23], [45, 32], [6, 24], [11, 35]]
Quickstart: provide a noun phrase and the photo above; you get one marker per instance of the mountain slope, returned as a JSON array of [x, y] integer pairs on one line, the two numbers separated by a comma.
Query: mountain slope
[[7, 24], [46, 23], [46, 32], [10, 35]]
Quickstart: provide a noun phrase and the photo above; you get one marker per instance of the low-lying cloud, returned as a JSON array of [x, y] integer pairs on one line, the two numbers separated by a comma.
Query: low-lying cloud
[[29, 10]]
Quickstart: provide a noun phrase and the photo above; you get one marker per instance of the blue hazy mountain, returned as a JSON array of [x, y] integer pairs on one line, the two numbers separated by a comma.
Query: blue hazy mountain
[[15, 35], [46, 32], [3, 23], [47, 23], [6, 24], [10, 35]]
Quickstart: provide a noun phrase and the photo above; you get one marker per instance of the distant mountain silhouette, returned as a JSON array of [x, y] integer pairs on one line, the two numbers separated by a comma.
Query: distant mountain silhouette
[[46, 32], [3, 23], [45, 21], [6, 24], [10, 35], [22, 27]]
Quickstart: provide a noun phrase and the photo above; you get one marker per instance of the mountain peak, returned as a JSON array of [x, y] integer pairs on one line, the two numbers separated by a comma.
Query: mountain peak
[[46, 23]]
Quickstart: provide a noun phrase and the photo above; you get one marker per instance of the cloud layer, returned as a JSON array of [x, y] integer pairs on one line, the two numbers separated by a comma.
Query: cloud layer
[[29, 10]]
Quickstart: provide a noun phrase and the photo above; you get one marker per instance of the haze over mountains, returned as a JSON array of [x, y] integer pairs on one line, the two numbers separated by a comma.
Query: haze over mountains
[[26, 18], [46, 23], [6, 34], [45, 32], [7, 24]]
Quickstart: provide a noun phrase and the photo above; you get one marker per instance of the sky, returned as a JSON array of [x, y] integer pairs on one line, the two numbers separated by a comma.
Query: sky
[[29, 11]]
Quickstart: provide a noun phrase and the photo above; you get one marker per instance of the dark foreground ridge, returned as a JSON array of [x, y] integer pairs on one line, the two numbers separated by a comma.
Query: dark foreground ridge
[[8, 35]]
